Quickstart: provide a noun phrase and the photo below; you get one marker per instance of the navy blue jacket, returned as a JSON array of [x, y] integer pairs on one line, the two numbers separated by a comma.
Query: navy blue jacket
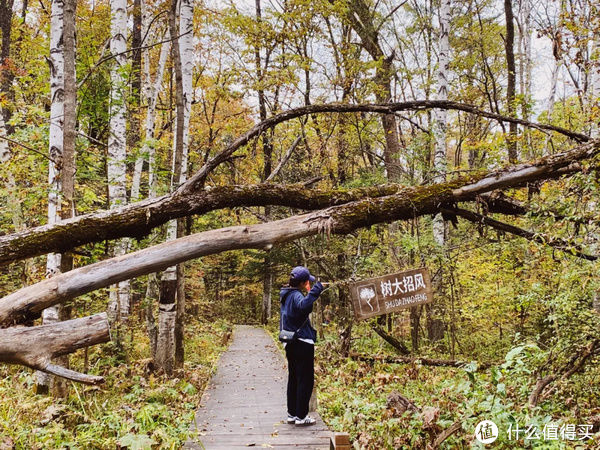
[[295, 309]]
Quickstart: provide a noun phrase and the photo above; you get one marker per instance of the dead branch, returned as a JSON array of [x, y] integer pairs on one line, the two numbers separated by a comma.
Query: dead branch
[[561, 244], [397, 344], [456, 426], [415, 359], [35, 347], [197, 180], [407, 203], [574, 365]]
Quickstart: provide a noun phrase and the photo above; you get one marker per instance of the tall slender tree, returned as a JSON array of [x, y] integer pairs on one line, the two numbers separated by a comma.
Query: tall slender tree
[[186, 51], [509, 43], [440, 122], [57, 86], [117, 194], [166, 348], [7, 75]]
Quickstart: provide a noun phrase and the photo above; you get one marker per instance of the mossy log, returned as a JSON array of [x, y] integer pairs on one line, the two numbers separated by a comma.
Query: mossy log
[[138, 219], [407, 203]]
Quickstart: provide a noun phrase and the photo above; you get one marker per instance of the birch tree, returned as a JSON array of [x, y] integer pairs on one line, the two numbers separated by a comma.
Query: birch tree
[[186, 51], [439, 128], [119, 294], [151, 90], [57, 82]]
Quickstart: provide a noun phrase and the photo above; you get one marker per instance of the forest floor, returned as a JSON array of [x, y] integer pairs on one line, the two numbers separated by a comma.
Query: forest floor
[[133, 409], [360, 398], [136, 409]]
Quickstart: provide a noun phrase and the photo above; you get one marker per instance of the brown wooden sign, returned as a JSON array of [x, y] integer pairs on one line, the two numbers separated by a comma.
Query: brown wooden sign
[[390, 293]]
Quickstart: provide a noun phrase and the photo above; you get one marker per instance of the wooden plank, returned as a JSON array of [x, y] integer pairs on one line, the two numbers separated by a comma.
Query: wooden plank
[[244, 403], [389, 293]]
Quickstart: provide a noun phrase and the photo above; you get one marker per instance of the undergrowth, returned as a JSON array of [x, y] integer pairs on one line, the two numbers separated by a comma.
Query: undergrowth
[[132, 409]]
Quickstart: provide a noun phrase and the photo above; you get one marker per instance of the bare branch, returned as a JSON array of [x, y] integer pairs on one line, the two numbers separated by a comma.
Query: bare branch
[[198, 179], [35, 346], [560, 244]]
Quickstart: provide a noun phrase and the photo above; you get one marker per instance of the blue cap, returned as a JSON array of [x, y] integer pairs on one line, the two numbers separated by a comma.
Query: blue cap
[[301, 274]]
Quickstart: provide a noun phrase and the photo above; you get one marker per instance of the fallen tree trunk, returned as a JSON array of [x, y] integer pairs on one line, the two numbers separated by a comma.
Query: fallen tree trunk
[[574, 365], [413, 359], [407, 203], [138, 219], [36, 346]]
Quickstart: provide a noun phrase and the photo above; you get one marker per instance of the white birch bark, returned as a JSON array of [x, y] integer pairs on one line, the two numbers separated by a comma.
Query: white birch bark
[[119, 295], [147, 150], [595, 86], [439, 127], [57, 111], [150, 89]]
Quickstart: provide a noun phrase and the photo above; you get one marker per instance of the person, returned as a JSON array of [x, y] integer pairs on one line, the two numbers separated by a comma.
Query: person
[[300, 353]]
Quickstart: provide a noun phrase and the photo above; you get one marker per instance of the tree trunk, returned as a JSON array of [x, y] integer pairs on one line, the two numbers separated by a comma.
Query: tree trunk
[[168, 319], [363, 22], [136, 77], [6, 79], [510, 85], [7, 74], [151, 90], [60, 386], [186, 51], [439, 129], [57, 65], [117, 195], [439, 162]]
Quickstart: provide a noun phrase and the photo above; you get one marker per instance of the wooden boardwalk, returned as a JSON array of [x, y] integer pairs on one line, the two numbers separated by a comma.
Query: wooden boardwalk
[[244, 404]]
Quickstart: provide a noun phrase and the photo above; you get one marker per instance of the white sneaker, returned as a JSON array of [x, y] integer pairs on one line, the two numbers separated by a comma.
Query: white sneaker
[[291, 419], [306, 421]]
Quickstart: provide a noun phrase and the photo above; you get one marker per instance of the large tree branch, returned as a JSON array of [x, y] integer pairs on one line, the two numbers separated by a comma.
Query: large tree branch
[[198, 179], [557, 243], [407, 203], [36, 346], [138, 219]]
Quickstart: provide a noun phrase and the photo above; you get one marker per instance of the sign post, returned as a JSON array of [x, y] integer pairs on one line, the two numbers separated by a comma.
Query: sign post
[[389, 293]]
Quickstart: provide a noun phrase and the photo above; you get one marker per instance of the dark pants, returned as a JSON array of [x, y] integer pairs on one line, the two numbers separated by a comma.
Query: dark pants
[[301, 377]]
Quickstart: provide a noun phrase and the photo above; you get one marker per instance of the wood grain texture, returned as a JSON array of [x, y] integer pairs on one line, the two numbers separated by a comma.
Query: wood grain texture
[[244, 404]]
